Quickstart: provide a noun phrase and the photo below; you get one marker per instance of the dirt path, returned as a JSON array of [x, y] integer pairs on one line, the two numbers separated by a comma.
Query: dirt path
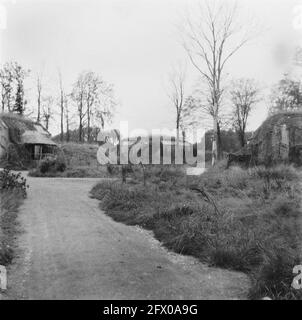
[[71, 250]]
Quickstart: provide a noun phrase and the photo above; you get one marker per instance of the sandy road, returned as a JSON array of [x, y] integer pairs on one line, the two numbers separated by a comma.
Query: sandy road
[[69, 249]]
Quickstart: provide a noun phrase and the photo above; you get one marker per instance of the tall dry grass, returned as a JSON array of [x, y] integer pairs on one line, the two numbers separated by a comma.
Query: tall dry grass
[[10, 201], [251, 223]]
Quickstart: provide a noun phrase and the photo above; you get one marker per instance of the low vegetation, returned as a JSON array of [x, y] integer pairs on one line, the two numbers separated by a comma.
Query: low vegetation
[[12, 192], [49, 167], [245, 220], [78, 172], [10, 181], [74, 160], [79, 154]]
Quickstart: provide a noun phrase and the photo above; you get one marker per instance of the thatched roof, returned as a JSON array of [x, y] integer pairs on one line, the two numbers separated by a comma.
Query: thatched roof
[[25, 131], [35, 137]]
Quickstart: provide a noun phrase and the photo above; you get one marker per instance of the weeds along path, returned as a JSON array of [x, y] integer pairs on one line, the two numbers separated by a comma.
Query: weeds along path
[[69, 249]]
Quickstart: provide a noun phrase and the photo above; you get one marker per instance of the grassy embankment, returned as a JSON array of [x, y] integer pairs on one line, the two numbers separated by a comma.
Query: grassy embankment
[[80, 161], [245, 220], [12, 192], [9, 204]]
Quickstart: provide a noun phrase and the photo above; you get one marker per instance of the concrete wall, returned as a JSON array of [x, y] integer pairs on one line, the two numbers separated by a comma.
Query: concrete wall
[[278, 140]]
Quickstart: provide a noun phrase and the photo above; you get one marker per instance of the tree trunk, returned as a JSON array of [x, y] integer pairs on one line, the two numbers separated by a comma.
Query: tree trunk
[[80, 131], [88, 123], [38, 116], [242, 139], [178, 151], [177, 126], [81, 121], [39, 108], [8, 102], [62, 116], [67, 130], [67, 119], [214, 142], [219, 151], [61, 107], [2, 101], [47, 123]]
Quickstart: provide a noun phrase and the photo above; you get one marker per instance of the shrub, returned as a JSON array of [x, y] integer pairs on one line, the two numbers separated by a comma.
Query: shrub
[[250, 232], [18, 157], [79, 154], [77, 172], [236, 178], [51, 165], [45, 165], [60, 166], [279, 179], [112, 169], [10, 199], [12, 181], [278, 174], [283, 206], [276, 275]]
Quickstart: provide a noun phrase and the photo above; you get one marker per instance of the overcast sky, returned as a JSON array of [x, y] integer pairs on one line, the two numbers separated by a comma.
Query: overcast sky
[[134, 43]]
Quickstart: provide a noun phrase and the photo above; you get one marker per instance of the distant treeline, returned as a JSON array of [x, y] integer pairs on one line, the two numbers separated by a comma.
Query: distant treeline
[[229, 139]]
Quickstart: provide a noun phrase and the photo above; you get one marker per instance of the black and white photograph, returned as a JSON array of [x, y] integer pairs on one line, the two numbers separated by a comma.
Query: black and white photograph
[[150, 153]]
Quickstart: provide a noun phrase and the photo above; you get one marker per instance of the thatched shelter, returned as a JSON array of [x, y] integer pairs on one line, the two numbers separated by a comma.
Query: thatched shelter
[[22, 137]]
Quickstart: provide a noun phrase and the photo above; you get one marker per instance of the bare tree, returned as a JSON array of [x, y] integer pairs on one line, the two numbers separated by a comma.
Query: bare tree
[[95, 102], [92, 90], [210, 42], [61, 105], [105, 105], [78, 96], [244, 95], [67, 118], [176, 94], [39, 97], [47, 104]]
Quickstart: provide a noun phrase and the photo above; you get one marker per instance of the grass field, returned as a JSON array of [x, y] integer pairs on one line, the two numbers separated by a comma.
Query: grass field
[[9, 204], [245, 220]]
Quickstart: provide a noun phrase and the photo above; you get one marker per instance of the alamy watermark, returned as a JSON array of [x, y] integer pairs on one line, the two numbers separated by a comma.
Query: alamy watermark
[[160, 147]]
